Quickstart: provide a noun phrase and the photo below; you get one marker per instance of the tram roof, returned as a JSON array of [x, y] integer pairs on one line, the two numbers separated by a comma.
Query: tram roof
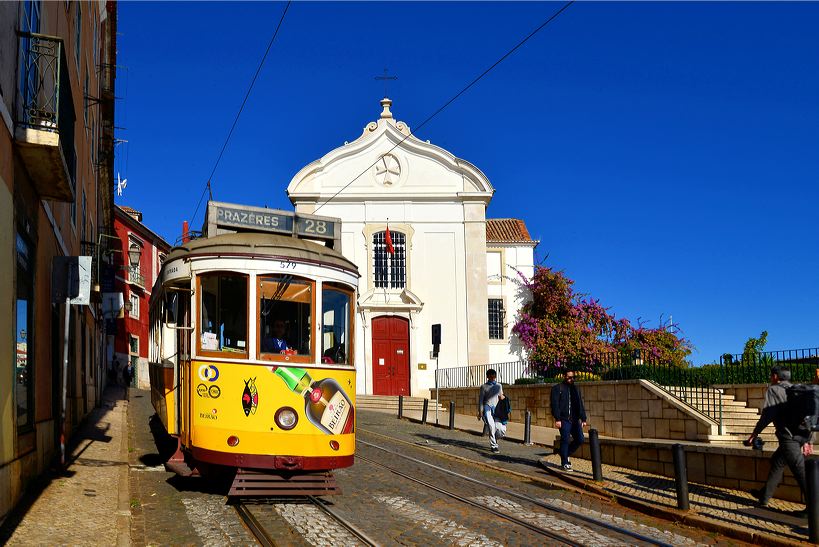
[[262, 245]]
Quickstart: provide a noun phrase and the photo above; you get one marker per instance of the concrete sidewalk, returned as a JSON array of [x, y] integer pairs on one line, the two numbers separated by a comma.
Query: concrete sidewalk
[[88, 503], [731, 512]]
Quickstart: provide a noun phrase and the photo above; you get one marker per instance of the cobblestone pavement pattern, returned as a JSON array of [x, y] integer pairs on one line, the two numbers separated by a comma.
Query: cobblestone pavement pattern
[[83, 505], [523, 459]]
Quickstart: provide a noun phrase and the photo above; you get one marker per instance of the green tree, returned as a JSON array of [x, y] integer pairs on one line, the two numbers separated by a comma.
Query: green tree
[[754, 347]]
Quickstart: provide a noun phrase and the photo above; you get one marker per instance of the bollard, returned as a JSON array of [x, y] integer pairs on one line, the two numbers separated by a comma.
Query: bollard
[[594, 448], [527, 429], [681, 476], [424, 413], [812, 495], [451, 414], [400, 406]]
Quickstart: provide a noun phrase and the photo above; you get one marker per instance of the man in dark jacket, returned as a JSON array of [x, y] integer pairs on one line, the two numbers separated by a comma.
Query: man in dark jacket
[[792, 447], [570, 417]]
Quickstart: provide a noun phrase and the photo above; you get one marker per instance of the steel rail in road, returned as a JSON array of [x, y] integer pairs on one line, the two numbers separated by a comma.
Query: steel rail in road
[[323, 506], [539, 503], [262, 536], [253, 525], [520, 522]]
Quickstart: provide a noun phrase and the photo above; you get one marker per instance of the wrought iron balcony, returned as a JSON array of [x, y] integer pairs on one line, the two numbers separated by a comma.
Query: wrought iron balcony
[[44, 124], [136, 277]]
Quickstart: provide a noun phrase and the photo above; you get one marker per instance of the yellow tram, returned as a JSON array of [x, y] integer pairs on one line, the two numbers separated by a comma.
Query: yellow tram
[[251, 351]]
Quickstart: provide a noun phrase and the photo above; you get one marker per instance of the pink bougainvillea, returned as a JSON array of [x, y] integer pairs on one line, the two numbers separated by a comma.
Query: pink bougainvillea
[[559, 326]]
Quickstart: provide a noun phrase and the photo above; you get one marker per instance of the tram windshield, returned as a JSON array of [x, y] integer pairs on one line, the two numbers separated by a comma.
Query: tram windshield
[[285, 322], [335, 328], [224, 313]]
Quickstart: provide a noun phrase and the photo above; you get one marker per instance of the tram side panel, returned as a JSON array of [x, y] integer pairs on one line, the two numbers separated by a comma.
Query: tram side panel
[[240, 410]]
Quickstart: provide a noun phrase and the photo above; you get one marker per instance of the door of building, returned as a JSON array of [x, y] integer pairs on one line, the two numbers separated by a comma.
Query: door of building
[[390, 356]]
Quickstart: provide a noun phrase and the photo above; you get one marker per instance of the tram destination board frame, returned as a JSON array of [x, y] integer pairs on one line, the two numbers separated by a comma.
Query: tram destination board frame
[[222, 218]]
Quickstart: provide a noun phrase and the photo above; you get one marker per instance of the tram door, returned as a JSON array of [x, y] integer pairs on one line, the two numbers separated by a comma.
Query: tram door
[[390, 356], [183, 349]]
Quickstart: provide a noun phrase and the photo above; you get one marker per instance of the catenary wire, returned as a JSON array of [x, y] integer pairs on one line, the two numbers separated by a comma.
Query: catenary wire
[[208, 186], [450, 101]]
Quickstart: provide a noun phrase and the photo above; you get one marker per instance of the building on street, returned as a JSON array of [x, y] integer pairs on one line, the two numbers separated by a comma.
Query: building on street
[[136, 268], [57, 77], [443, 262]]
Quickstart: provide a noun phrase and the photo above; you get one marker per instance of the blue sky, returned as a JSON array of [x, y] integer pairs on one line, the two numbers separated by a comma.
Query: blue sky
[[665, 154]]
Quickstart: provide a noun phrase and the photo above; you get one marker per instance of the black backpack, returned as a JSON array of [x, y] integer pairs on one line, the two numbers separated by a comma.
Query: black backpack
[[802, 409]]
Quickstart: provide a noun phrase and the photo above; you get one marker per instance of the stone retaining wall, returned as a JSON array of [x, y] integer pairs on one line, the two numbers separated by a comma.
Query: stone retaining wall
[[632, 409], [734, 468]]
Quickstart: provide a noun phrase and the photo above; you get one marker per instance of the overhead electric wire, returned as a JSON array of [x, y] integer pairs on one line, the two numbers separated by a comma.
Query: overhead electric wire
[[208, 185], [450, 101]]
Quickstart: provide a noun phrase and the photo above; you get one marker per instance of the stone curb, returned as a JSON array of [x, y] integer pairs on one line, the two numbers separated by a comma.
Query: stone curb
[[677, 515]]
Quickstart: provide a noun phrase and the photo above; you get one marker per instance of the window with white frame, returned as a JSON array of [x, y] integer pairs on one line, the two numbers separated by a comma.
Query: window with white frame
[[134, 300], [496, 314], [390, 269]]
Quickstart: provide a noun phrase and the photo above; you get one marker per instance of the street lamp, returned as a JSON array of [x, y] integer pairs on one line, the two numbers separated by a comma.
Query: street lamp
[[134, 255]]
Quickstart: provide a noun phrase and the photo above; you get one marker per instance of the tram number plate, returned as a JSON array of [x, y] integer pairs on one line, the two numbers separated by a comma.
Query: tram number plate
[[315, 227], [287, 265]]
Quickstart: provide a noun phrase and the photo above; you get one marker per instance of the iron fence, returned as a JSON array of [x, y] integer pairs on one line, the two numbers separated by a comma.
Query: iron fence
[[755, 368]]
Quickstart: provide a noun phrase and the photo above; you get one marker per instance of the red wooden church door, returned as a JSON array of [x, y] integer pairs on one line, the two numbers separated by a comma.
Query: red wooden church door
[[390, 356]]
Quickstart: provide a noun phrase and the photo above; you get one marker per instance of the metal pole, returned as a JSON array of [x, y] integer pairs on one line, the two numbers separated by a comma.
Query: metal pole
[[424, 413], [812, 495], [594, 447], [437, 391], [451, 414], [400, 406], [527, 428], [65, 379], [680, 476]]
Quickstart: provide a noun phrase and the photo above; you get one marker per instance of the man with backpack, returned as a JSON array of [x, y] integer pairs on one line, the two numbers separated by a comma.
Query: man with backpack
[[794, 442]]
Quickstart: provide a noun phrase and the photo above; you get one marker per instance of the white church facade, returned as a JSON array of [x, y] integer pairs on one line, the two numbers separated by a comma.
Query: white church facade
[[449, 264]]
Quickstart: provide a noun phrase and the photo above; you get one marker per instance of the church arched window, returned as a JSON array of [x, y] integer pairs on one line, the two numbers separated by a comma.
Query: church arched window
[[390, 268]]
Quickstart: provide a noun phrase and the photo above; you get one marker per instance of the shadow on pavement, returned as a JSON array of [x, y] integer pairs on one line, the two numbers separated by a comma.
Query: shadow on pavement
[[89, 430]]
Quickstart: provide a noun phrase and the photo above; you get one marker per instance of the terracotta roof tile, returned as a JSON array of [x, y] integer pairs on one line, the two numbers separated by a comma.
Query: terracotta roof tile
[[507, 230]]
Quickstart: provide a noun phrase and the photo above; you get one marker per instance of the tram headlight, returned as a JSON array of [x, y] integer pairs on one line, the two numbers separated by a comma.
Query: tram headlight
[[233, 440], [286, 418]]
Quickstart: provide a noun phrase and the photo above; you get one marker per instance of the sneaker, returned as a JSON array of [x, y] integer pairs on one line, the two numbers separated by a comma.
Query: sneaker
[[566, 467], [495, 450], [757, 494]]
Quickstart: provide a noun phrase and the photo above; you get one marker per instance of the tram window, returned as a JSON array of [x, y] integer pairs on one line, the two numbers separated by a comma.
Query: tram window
[[336, 336], [285, 318], [224, 313]]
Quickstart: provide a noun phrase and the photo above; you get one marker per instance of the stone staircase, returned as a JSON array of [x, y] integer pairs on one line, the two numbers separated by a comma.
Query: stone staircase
[[737, 418], [389, 404]]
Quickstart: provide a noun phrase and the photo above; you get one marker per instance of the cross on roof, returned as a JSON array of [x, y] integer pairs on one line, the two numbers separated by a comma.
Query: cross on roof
[[386, 78]]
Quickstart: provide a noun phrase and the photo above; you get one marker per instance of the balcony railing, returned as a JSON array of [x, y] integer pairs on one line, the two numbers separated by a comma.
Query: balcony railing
[[136, 277], [45, 116]]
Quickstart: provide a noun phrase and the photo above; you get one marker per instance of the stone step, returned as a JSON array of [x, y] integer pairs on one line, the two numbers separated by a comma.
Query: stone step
[[390, 403]]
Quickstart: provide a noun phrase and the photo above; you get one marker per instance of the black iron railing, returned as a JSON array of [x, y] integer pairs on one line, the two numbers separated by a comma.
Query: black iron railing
[[755, 368], [46, 101]]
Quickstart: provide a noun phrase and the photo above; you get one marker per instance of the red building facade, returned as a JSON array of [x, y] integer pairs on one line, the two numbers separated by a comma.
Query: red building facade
[[137, 266]]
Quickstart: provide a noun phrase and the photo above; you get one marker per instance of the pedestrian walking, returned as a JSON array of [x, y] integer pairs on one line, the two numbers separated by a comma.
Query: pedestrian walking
[[128, 374], [792, 448], [491, 392], [570, 417]]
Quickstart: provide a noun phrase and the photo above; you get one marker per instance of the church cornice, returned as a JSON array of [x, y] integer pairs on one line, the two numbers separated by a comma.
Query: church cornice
[[400, 138]]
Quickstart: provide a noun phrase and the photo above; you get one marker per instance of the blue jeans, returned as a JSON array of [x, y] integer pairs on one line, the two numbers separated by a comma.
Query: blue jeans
[[573, 428]]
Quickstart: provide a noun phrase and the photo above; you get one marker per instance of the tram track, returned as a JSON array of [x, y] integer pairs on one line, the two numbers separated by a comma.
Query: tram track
[[523, 497], [262, 535]]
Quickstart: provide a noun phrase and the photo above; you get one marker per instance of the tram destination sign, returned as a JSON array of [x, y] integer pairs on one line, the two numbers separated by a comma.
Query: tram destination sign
[[266, 221], [234, 217]]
